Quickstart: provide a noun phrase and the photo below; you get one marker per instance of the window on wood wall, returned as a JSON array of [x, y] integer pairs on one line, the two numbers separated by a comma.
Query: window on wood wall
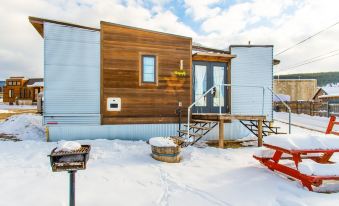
[[148, 69], [10, 93]]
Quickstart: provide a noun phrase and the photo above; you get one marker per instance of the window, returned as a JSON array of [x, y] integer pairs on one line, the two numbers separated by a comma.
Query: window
[[14, 83], [9, 83], [18, 83], [148, 68], [10, 93]]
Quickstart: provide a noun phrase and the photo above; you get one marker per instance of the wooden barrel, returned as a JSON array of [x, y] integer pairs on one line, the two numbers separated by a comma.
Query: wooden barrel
[[166, 154]]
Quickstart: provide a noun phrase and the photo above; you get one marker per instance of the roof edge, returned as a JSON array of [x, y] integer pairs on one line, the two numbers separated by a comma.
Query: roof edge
[[142, 29], [39, 22], [250, 45]]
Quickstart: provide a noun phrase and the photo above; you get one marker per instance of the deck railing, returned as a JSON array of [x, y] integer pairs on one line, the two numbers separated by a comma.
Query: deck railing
[[264, 89]]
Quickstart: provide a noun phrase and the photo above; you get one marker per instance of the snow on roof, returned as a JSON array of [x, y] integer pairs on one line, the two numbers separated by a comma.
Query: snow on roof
[[281, 97], [37, 84], [331, 91]]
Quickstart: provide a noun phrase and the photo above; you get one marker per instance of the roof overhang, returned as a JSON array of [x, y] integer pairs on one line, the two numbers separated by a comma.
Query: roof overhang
[[212, 57], [38, 24]]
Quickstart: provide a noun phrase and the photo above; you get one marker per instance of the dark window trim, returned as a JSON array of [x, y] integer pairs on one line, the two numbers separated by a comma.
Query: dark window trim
[[142, 69]]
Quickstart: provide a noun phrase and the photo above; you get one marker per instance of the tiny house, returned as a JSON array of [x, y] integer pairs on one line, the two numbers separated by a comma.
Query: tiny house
[[22, 91], [122, 82]]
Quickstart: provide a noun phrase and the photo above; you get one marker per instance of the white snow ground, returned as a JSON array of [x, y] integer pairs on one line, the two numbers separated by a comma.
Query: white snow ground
[[9, 107], [304, 120], [123, 173]]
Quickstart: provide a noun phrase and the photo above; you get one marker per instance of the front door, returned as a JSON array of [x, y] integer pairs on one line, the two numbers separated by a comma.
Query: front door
[[205, 76]]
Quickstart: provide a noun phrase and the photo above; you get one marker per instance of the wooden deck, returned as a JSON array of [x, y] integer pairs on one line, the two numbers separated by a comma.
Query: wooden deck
[[224, 117]]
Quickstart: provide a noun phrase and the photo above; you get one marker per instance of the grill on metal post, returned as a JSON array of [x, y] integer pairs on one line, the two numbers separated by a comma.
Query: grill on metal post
[[71, 162]]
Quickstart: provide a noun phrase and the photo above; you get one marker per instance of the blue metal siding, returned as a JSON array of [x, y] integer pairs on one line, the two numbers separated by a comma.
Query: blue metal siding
[[72, 75], [124, 132], [252, 66]]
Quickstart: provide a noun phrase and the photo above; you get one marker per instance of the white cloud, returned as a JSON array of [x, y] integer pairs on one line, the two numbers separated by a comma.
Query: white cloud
[[278, 22], [202, 9], [282, 24], [21, 51]]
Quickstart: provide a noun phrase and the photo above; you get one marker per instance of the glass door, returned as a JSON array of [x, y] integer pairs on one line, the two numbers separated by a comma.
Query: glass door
[[218, 77], [205, 75], [200, 86]]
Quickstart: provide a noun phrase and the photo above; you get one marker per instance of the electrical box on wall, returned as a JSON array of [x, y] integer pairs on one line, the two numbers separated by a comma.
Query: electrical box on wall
[[114, 104]]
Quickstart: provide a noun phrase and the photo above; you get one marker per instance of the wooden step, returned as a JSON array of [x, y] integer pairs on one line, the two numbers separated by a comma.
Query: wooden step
[[203, 121], [264, 126], [265, 131], [198, 127], [193, 135], [179, 140]]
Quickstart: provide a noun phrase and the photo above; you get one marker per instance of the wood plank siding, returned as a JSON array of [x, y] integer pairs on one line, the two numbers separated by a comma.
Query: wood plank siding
[[121, 50]]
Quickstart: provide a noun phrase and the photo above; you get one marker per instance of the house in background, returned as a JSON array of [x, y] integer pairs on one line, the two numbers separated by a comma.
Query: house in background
[[296, 89], [22, 91], [328, 94], [122, 82], [2, 84]]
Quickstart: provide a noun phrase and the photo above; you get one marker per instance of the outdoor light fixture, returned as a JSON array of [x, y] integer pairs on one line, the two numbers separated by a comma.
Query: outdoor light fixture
[[71, 161]]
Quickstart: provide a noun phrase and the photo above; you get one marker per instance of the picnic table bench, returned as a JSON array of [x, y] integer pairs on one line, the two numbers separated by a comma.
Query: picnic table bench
[[310, 155]]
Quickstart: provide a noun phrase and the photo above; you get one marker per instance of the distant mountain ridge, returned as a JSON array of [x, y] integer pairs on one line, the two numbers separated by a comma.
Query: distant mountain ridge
[[323, 78]]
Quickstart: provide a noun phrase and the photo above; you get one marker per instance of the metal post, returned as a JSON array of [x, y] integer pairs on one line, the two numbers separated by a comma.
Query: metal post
[[220, 99], [72, 188], [263, 101], [188, 122], [289, 121]]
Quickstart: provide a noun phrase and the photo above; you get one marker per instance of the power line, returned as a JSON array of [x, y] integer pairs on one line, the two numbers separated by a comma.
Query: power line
[[310, 37], [319, 59], [316, 57]]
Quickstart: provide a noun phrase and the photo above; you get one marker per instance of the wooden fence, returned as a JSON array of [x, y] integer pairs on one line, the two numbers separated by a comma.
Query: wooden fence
[[312, 108]]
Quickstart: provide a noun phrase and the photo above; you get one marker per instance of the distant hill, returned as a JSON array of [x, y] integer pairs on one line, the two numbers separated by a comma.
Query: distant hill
[[2, 83], [323, 78]]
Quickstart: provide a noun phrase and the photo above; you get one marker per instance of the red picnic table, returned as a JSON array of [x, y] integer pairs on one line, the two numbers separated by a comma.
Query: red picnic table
[[320, 156], [319, 149]]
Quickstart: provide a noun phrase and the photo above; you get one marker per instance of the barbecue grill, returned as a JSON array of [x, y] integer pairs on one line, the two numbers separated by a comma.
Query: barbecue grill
[[70, 161]]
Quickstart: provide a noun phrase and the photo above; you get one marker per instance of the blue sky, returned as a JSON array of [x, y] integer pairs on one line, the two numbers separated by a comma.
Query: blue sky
[[214, 23]]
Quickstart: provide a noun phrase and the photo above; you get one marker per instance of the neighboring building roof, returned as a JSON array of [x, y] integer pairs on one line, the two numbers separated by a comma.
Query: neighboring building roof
[[35, 82], [281, 97], [16, 78], [329, 92]]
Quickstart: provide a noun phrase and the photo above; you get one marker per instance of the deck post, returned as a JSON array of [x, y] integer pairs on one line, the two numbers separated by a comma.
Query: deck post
[[260, 132], [221, 133]]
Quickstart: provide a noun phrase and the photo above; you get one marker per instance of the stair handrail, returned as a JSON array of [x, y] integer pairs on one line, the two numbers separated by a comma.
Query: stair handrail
[[244, 85], [190, 107], [215, 86], [288, 108]]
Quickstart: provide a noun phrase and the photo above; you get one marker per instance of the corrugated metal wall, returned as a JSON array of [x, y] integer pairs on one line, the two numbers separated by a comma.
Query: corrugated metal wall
[[252, 66], [72, 75], [125, 132]]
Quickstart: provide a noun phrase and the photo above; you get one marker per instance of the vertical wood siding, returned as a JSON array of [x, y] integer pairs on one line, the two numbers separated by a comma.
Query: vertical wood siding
[[121, 48]]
